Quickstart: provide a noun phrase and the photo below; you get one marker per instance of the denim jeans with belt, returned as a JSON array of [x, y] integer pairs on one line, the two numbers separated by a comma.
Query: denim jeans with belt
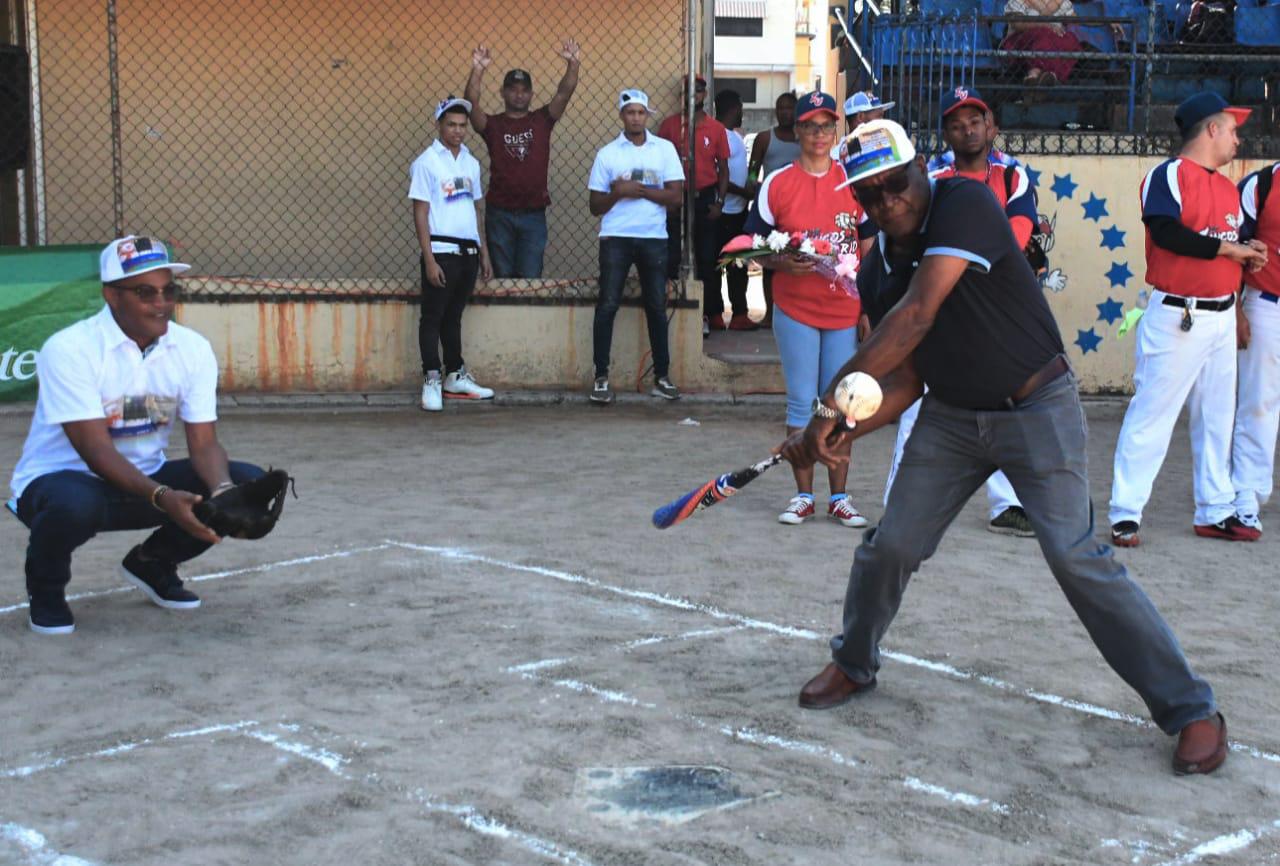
[[517, 240], [65, 509], [617, 255], [1040, 445]]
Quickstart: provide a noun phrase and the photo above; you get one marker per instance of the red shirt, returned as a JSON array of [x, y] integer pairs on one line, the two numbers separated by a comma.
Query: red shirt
[[519, 150], [712, 143], [1013, 192], [1264, 227], [791, 199], [1208, 204]]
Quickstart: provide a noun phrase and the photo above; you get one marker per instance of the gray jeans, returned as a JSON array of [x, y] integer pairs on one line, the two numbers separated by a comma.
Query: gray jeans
[[1040, 445]]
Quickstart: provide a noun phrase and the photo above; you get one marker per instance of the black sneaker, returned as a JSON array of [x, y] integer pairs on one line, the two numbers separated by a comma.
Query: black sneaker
[[50, 614], [159, 580], [1012, 521], [601, 392], [664, 389]]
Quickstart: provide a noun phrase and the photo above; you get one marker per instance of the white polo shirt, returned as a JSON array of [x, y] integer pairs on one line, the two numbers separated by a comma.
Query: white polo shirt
[[451, 186], [737, 172], [655, 163], [92, 370]]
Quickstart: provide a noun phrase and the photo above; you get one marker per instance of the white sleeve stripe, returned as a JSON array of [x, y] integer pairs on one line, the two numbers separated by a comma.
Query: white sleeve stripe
[[1171, 175], [1249, 197], [1022, 183], [762, 199], [959, 254]]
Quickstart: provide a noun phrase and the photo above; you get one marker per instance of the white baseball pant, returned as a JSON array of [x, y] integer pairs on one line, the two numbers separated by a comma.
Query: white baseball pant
[[1253, 446], [1172, 365], [1000, 495]]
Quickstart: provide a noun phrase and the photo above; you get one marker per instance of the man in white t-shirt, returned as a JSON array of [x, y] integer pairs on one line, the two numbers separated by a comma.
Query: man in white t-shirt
[[635, 180], [733, 216], [94, 460], [444, 184]]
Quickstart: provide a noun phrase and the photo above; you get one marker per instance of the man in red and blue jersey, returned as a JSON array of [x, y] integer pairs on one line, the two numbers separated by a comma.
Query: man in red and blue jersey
[[1186, 346], [1253, 445]]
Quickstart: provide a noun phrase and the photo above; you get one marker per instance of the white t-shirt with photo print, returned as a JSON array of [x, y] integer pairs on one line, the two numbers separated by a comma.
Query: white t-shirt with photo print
[[450, 185], [655, 163]]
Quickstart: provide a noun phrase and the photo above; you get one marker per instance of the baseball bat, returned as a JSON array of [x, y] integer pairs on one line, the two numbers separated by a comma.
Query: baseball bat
[[707, 495]]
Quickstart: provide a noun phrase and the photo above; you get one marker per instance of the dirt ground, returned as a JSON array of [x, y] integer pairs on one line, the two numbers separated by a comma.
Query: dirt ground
[[466, 644]]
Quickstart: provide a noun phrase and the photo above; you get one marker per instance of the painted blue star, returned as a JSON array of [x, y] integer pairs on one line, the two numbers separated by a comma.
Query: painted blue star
[[1095, 208], [1087, 341], [1032, 175], [1119, 274], [1063, 186], [1110, 310], [1112, 238]]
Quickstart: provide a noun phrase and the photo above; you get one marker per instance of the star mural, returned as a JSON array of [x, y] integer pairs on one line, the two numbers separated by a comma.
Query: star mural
[[1109, 311], [1032, 175], [1095, 208], [1112, 238], [1119, 275], [1087, 341], [1063, 186]]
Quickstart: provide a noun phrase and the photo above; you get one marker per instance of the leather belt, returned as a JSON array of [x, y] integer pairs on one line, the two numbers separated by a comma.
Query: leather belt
[[1199, 303], [1037, 380]]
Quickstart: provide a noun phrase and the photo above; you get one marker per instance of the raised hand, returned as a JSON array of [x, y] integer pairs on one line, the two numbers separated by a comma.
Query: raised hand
[[570, 51], [480, 58]]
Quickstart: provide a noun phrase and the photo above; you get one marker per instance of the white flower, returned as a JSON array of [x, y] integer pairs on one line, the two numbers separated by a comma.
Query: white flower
[[777, 241], [806, 247], [739, 263]]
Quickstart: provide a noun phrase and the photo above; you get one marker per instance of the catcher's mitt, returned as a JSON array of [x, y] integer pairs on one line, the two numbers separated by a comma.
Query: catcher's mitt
[[248, 510]]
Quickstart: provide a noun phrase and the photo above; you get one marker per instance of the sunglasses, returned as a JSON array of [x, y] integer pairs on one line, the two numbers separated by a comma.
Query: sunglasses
[[148, 294], [894, 183], [812, 128]]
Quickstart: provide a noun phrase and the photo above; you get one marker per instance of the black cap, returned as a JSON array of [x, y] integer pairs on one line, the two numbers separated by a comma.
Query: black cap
[[517, 76]]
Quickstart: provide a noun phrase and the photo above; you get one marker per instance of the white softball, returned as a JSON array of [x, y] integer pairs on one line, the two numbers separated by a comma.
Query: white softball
[[858, 396]]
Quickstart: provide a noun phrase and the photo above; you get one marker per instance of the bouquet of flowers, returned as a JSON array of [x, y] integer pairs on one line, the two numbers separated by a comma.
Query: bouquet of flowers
[[840, 269]]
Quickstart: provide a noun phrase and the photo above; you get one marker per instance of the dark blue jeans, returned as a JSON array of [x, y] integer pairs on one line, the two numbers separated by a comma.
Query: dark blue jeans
[[65, 509], [617, 255], [517, 239]]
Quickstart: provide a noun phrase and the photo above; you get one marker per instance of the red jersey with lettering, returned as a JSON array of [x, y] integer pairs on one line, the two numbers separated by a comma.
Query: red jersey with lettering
[[792, 200], [519, 150], [1264, 227], [711, 144], [1014, 193], [1204, 201]]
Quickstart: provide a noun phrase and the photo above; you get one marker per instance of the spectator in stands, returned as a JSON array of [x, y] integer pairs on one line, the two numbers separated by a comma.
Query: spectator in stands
[[711, 181], [519, 142], [1045, 36], [444, 184], [734, 215], [861, 107], [815, 324], [967, 123], [773, 149], [635, 181]]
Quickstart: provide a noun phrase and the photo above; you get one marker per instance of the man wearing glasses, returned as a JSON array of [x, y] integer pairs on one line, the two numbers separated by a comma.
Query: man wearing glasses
[[94, 460], [960, 310]]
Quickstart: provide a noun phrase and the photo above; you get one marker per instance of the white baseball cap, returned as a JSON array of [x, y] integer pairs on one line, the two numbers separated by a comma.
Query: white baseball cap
[[449, 102], [133, 255], [861, 102], [874, 147], [634, 97]]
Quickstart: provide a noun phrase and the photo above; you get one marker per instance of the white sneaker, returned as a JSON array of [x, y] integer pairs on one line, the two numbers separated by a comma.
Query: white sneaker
[[459, 385], [431, 397], [799, 509], [843, 510], [1250, 520]]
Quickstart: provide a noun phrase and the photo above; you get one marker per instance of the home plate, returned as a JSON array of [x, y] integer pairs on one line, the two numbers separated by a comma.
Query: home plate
[[667, 795]]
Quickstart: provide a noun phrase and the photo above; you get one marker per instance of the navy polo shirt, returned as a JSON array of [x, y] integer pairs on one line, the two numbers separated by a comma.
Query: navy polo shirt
[[995, 328]]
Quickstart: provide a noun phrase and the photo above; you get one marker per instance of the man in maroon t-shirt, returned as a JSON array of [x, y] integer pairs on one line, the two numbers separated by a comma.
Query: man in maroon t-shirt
[[519, 142]]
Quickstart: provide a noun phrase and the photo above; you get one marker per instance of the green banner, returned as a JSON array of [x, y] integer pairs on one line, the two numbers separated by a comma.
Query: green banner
[[42, 290]]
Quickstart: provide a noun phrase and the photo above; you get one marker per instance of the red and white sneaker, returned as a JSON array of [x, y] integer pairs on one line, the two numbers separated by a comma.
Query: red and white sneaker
[[799, 509], [1230, 529], [459, 385], [843, 510]]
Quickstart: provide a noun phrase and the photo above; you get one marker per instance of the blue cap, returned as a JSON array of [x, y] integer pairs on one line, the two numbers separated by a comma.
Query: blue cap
[[1205, 104], [815, 103], [962, 95], [860, 102]]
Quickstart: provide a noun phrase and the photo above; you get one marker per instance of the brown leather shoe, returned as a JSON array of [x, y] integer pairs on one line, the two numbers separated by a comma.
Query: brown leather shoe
[[831, 688], [1202, 746]]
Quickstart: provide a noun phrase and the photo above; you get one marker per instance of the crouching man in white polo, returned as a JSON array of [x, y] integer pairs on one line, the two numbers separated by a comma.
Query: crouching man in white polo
[[94, 461]]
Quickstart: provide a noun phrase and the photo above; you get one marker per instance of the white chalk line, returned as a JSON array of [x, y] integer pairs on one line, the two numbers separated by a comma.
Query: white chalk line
[[543, 664], [807, 634], [1220, 846], [218, 575], [35, 847], [474, 820], [121, 748]]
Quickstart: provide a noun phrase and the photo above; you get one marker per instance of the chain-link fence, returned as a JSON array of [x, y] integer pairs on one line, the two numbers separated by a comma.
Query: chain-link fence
[[271, 140]]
